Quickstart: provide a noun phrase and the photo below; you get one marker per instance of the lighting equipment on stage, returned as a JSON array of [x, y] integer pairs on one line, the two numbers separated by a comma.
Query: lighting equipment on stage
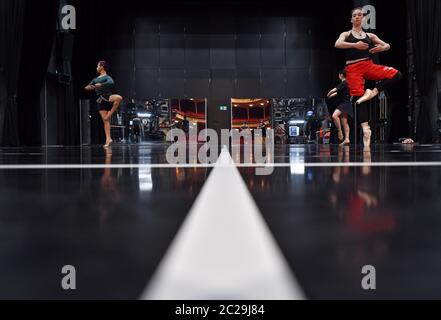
[[144, 114], [164, 109], [148, 119], [294, 131], [292, 122], [300, 117]]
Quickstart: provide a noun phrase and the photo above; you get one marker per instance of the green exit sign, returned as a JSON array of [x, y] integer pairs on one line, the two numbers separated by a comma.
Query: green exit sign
[[223, 108]]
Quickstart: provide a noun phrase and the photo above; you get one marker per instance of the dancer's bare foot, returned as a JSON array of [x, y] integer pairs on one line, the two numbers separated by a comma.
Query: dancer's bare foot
[[345, 143], [341, 136], [368, 95], [108, 144]]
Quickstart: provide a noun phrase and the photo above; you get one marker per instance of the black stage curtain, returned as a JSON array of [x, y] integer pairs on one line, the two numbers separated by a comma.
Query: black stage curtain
[[88, 50], [12, 14], [39, 32], [425, 26], [68, 116]]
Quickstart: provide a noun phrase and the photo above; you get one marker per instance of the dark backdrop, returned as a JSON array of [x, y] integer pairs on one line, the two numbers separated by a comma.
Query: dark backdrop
[[217, 50], [212, 49]]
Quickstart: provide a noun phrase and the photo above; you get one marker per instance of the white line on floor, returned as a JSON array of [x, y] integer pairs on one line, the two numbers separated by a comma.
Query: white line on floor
[[202, 166], [224, 249]]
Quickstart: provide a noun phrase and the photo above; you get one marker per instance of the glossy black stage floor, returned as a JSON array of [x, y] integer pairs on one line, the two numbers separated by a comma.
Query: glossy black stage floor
[[114, 215]]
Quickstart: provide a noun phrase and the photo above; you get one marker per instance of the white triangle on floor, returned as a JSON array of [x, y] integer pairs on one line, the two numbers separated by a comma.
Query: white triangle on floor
[[224, 250]]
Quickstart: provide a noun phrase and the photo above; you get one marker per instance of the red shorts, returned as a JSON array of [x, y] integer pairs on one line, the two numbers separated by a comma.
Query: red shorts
[[357, 73]]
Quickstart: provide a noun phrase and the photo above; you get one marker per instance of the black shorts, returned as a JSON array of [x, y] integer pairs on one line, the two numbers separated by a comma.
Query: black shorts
[[363, 113], [346, 107], [104, 104]]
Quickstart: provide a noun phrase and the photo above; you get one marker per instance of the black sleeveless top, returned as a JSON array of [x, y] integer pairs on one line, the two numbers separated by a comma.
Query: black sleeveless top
[[343, 92], [355, 54]]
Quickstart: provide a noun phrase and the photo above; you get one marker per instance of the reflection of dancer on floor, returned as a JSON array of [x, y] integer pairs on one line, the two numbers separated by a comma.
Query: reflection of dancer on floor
[[109, 193], [344, 109], [343, 157], [108, 103], [360, 46]]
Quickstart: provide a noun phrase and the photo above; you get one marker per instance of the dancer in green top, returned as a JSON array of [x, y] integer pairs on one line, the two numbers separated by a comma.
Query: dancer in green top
[[108, 103]]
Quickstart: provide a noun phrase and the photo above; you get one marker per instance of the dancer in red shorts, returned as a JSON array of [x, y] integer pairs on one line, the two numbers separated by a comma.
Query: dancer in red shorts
[[360, 46]]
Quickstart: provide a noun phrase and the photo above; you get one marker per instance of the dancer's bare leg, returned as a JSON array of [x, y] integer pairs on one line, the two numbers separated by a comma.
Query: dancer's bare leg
[[368, 95], [116, 100], [367, 133], [106, 121], [346, 129], [381, 86], [337, 122]]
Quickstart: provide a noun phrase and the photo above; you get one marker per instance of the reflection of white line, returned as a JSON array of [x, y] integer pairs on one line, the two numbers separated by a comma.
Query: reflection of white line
[[239, 165], [224, 249]]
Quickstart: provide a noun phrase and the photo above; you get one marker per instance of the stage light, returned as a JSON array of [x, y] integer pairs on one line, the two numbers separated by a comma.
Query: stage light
[[144, 115], [297, 122]]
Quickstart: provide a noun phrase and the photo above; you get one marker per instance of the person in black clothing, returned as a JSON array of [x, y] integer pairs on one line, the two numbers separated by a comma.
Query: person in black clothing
[[344, 109], [108, 103], [263, 126], [186, 125]]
